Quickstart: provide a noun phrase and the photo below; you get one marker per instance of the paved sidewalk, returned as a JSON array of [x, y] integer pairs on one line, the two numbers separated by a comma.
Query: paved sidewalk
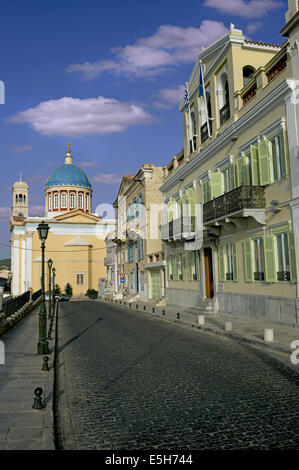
[[251, 331], [21, 427]]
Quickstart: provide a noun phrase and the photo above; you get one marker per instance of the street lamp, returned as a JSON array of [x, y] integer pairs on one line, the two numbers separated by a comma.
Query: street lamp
[[53, 306], [50, 264], [42, 347]]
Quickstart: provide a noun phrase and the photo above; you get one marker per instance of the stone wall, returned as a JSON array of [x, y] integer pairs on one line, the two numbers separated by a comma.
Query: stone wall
[[254, 307], [8, 322]]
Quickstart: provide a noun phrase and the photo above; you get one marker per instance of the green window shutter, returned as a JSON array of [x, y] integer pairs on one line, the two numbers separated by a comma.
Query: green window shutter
[[169, 211], [205, 191], [235, 262], [221, 263], [247, 247], [216, 184], [189, 260], [293, 256], [242, 170], [284, 164], [183, 266], [198, 265], [254, 165], [270, 261], [191, 201], [232, 176], [264, 153], [185, 203], [168, 268]]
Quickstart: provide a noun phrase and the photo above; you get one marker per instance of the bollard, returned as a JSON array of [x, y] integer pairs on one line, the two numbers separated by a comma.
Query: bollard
[[45, 367], [130, 305], [38, 404], [153, 309], [201, 319], [125, 303], [178, 315], [268, 335], [228, 326], [144, 307], [163, 312], [136, 306]]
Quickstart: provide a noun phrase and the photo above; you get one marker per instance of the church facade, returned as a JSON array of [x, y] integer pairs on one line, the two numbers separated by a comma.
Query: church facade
[[76, 238]]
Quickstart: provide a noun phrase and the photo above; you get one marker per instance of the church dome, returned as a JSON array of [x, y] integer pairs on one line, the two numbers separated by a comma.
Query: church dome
[[68, 175]]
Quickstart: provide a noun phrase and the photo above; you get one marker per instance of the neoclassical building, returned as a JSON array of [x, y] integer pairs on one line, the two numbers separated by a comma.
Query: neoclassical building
[[76, 239]]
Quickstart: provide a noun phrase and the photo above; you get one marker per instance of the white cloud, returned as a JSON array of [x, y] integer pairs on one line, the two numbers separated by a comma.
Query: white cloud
[[21, 148], [5, 213], [107, 178], [253, 27], [169, 47], [36, 210], [246, 9], [169, 97], [78, 117], [87, 164]]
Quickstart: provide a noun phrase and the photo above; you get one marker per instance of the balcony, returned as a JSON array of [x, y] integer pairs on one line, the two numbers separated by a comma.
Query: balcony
[[243, 201], [204, 134], [182, 228], [224, 113], [249, 94]]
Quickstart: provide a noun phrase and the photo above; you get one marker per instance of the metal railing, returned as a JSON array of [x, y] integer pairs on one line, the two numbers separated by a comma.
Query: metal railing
[[224, 113], [204, 133], [36, 295], [243, 197], [11, 306]]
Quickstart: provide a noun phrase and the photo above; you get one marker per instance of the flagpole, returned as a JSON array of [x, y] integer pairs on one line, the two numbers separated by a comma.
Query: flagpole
[[189, 117], [204, 95]]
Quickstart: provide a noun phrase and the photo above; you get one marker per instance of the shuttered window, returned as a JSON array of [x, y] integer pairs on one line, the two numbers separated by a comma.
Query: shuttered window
[[228, 267], [216, 184], [264, 154], [206, 190]]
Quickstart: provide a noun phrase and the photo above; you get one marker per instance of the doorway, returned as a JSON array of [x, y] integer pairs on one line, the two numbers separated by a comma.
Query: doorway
[[209, 281]]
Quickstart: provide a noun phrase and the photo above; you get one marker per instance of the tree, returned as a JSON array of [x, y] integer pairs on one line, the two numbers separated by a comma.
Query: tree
[[57, 290], [92, 293], [68, 290]]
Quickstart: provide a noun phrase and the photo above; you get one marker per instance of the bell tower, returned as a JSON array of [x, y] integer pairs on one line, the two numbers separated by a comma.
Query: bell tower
[[20, 199]]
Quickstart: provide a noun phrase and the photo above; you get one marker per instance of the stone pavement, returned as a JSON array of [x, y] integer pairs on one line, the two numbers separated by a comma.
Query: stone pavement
[[21, 427], [251, 331]]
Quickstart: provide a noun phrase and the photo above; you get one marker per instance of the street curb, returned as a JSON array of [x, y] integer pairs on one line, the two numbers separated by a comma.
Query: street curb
[[195, 326]]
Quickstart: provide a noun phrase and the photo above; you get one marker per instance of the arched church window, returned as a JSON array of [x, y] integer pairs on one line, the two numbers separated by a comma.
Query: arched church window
[[24, 198], [56, 200], [20, 198], [63, 201], [72, 201], [80, 201], [87, 202], [17, 198], [50, 201]]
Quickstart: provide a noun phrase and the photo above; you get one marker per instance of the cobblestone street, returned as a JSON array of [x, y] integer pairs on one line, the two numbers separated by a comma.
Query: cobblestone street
[[130, 381]]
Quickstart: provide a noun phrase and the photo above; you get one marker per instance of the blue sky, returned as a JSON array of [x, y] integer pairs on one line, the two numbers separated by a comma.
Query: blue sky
[[108, 77]]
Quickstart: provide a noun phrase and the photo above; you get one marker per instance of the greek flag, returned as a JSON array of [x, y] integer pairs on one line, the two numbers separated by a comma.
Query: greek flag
[[186, 98]]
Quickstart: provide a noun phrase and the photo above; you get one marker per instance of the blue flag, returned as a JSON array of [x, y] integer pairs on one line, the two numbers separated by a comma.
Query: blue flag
[[200, 81], [186, 98]]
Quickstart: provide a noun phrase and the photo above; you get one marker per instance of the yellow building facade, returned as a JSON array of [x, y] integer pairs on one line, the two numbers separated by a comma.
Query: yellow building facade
[[76, 239], [239, 166]]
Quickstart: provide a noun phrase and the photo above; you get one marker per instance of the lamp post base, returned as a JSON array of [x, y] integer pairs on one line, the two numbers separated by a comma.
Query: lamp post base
[[43, 348]]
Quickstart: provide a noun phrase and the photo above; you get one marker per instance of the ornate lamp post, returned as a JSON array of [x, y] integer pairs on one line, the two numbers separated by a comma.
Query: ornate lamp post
[[50, 264], [53, 306], [42, 347]]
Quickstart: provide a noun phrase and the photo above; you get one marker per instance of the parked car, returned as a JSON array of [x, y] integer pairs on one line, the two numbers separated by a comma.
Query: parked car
[[63, 298]]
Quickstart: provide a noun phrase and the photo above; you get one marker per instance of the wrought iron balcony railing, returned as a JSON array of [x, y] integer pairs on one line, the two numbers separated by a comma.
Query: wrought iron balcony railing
[[180, 228], [243, 197]]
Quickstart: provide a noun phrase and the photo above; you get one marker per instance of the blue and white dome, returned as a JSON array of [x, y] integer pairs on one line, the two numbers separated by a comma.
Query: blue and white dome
[[68, 175]]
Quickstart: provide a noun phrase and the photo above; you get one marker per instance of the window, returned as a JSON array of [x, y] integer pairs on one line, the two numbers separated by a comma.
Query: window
[[63, 201], [140, 248], [193, 133], [223, 98], [80, 278], [194, 266], [283, 258], [227, 262], [130, 252], [170, 268], [139, 209], [248, 72], [72, 200], [80, 201], [87, 202], [277, 158], [180, 267], [56, 201], [131, 281], [50, 201], [228, 179], [258, 259]]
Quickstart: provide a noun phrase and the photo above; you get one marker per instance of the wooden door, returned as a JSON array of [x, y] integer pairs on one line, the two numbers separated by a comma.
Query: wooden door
[[209, 273]]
